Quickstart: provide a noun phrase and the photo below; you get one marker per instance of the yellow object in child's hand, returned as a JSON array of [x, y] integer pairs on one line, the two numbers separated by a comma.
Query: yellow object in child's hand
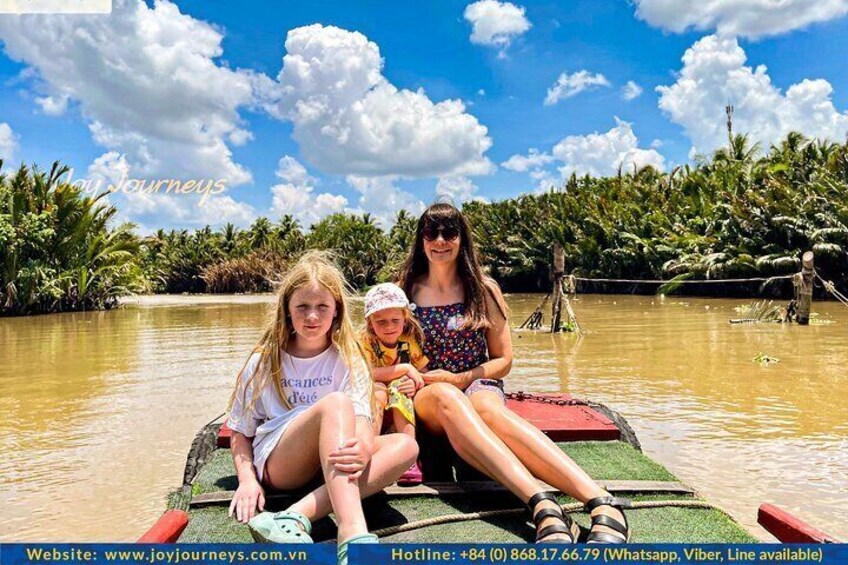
[[399, 400]]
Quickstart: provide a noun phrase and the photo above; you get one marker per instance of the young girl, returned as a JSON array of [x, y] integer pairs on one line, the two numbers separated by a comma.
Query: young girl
[[392, 342], [302, 405]]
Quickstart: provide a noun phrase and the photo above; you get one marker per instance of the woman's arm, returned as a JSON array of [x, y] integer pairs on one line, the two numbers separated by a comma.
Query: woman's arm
[[499, 340], [249, 496]]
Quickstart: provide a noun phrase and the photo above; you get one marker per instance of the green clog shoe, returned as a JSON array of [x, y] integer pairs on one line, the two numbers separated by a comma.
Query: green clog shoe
[[361, 538], [280, 527]]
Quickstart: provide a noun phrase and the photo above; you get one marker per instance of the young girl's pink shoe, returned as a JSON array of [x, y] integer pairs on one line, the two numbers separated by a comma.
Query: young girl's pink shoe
[[411, 476]]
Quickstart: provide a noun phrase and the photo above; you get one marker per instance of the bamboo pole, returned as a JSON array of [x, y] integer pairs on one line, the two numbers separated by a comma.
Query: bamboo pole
[[559, 273], [804, 289]]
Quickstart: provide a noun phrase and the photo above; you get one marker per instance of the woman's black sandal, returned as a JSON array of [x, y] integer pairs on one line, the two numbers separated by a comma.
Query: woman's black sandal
[[567, 527], [602, 520]]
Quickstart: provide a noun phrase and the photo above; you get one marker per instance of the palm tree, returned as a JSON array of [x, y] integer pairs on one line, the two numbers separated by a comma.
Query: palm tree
[[260, 233], [58, 249]]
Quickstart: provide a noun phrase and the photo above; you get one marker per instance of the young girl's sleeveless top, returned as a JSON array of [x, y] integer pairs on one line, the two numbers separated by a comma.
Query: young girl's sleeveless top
[[446, 343]]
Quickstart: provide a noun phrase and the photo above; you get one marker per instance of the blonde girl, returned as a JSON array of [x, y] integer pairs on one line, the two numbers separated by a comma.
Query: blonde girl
[[302, 406], [392, 342]]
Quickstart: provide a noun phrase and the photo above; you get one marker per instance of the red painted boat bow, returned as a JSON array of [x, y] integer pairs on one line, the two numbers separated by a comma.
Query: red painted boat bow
[[167, 528], [788, 528]]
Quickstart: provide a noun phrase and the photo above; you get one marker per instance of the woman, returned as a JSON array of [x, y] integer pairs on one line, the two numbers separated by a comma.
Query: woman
[[467, 340]]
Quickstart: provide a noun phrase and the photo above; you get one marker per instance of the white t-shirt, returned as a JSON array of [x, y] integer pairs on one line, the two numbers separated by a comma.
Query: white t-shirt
[[305, 381]]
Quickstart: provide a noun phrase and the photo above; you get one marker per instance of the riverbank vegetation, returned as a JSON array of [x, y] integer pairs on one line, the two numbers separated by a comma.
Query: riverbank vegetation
[[740, 213], [737, 214], [58, 251]]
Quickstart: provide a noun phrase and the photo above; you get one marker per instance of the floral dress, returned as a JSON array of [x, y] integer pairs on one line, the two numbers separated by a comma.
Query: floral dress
[[447, 344]]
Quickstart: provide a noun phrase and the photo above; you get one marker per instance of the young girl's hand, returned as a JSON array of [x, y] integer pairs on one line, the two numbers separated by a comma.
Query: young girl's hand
[[416, 376], [352, 457], [407, 386], [248, 497]]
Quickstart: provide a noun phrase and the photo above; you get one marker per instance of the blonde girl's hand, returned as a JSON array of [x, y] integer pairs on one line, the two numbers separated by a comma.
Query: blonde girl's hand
[[248, 497], [352, 457], [407, 386]]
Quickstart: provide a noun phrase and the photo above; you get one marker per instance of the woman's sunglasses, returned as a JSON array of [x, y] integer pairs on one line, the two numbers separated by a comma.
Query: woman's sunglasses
[[449, 233]]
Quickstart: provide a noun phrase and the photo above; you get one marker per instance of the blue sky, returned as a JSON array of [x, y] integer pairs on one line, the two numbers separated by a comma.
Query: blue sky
[[381, 105]]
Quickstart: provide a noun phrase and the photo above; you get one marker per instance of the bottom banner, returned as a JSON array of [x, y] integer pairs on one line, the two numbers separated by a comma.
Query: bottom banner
[[170, 554], [439, 554], [631, 554]]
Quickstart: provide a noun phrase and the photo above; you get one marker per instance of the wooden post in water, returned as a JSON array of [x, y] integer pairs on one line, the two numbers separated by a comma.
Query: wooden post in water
[[804, 289], [559, 273]]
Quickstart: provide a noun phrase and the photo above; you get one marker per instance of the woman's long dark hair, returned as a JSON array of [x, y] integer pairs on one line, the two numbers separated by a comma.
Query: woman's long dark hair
[[474, 283]]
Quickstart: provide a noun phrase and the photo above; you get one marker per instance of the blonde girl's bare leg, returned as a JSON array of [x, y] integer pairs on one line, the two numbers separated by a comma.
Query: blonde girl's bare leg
[[320, 429], [393, 455]]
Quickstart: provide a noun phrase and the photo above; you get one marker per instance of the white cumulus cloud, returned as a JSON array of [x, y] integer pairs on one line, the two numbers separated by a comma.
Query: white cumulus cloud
[[631, 90], [597, 154], [348, 119], [8, 143], [567, 85], [143, 200], [533, 160], [601, 154], [292, 171], [295, 196], [460, 189], [749, 18], [714, 74], [146, 79], [383, 199], [495, 23]]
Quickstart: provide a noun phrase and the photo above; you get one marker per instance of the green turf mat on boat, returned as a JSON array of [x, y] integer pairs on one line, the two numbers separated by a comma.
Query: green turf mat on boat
[[654, 525], [602, 460], [615, 460], [217, 474], [608, 460], [213, 525]]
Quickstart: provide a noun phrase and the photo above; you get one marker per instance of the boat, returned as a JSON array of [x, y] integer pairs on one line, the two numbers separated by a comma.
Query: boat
[[457, 504]]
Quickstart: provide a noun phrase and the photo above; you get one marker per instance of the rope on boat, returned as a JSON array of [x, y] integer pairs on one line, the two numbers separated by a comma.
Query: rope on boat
[[831, 288], [687, 281], [215, 419], [571, 507]]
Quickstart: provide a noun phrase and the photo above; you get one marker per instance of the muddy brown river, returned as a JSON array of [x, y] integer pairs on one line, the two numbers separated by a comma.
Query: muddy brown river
[[99, 409]]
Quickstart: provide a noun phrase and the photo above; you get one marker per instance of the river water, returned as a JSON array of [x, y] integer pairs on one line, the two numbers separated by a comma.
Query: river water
[[99, 409]]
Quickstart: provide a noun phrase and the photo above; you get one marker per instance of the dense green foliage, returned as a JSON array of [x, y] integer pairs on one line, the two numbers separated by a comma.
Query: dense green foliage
[[57, 249], [737, 214], [228, 260]]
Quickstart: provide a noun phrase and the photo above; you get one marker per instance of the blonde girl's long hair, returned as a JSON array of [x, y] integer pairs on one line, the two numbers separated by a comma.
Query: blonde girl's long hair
[[313, 267], [411, 327]]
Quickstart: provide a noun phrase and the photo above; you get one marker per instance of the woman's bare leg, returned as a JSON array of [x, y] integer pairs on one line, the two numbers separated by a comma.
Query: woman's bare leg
[[538, 453], [444, 409], [308, 442]]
